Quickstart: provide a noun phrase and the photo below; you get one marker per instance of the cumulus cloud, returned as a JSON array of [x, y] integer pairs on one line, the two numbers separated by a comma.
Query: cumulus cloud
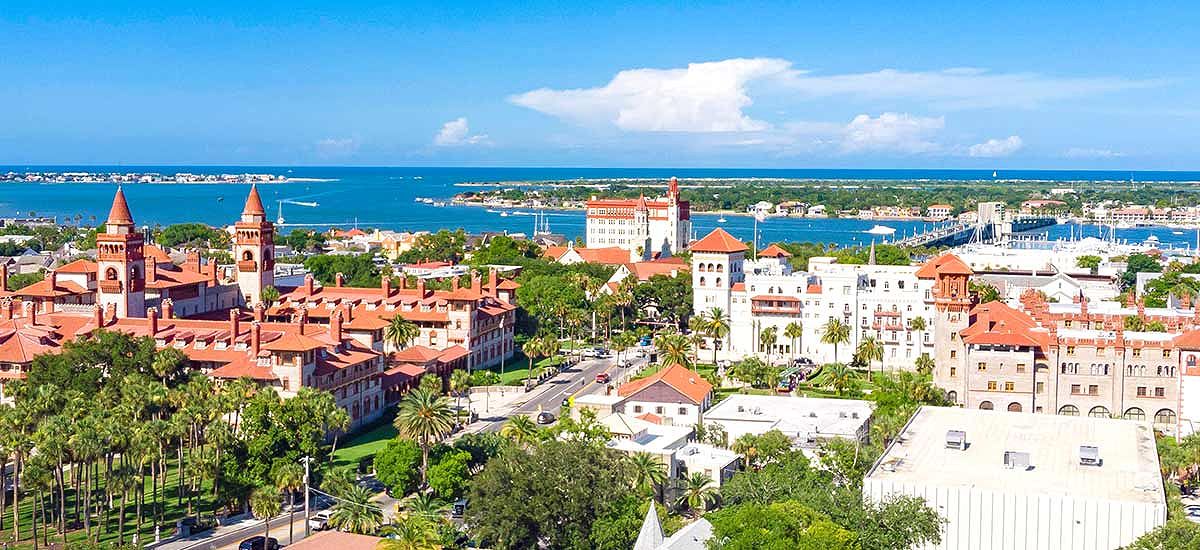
[[336, 147], [996, 147], [703, 97], [891, 132], [1088, 153], [458, 132]]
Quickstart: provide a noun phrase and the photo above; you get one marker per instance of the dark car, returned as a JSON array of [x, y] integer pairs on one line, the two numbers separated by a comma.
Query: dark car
[[256, 543], [545, 418]]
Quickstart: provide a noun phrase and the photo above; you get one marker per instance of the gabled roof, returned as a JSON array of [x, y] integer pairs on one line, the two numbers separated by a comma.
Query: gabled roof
[[1189, 340], [293, 342], [42, 289], [946, 264], [554, 252], [611, 255], [775, 251], [119, 213], [996, 323], [686, 382], [644, 270], [720, 241], [78, 266]]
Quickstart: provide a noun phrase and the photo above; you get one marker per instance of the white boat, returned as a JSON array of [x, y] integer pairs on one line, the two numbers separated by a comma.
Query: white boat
[[880, 230], [1177, 232], [504, 214], [439, 204], [994, 173], [721, 219]]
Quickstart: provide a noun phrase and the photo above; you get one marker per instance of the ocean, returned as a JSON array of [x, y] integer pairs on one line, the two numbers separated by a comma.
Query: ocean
[[385, 198]]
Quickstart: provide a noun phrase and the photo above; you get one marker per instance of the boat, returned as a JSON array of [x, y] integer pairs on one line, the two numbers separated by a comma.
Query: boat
[[721, 219], [994, 173], [880, 230], [504, 214], [220, 199], [438, 204], [1177, 232], [419, 199], [303, 203]]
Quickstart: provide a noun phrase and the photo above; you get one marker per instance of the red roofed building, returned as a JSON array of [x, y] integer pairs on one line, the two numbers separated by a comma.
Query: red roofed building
[[642, 227], [676, 395]]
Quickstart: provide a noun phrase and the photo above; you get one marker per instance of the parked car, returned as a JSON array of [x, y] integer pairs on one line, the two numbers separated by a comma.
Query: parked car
[[545, 418], [259, 543], [1192, 513], [603, 378], [319, 521], [601, 352]]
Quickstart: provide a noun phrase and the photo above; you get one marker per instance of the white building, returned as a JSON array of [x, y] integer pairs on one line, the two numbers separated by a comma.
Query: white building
[[672, 396], [714, 462], [643, 227], [1003, 480], [807, 420], [633, 436]]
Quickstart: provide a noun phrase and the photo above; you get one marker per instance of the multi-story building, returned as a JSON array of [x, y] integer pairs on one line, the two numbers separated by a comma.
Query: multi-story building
[[646, 228]]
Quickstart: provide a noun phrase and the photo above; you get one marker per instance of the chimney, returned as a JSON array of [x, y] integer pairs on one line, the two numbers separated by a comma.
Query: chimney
[[308, 284], [348, 308], [339, 280], [421, 288], [335, 326], [1186, 299], [259, 312], [477, 282], [234, 326], [31, 312], [168, 309], [385, 283], [212, 272], [1083, 309], [152, 317], [97, 314], [255, 338], [6, 309], [1141, 305], [454, 283], [3, 278], [192, 262], [152, 271], [403, 281], [302, 319], [492, 282]]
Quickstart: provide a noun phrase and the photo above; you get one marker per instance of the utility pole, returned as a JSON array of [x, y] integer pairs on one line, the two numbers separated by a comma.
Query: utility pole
[[307, 529]]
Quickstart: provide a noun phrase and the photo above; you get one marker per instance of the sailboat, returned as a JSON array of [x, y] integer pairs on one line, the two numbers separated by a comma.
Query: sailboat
[[994, 173], [721, 219], [279, 220]]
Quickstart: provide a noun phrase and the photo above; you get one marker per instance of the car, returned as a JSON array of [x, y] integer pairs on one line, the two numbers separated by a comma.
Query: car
[[319, 521], [1192, 513], [545, 418], [259, 543], [603, 378], [601, 352]]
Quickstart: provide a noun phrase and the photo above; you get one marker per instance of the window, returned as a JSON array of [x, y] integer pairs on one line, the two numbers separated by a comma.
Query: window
[[1069, 410], [1141, 391], [1040, 387], [682, 411], [1009, 386], [1166, 354], [1014, 407], [952, 396], [1020, 368], [658, 410], [991, 385], [1070, 350], [953, 353], [953, 371], [637, 408], [1164, 416], [1099, 412], [986, 405], [982, 367], [1160, 392], [1093, 389], [1075, 389], [1137, 352], [1135, 413]]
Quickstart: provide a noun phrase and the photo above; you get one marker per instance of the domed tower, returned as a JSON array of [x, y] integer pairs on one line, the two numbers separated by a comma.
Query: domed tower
[[254, 249], [121, 277]]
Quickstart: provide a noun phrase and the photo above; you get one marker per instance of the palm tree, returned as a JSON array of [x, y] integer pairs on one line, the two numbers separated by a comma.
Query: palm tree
[[839, 376], [520, 429], [426, 418], [835, 332], [425, 504], [794, 330], [918, 325], [718, 328], [355, 513], [924, 364], [697, 327], [648, 472], [767, 338], [673, 349], [459, 382], [534, 349], [289, 478], [411, 532], [269, 294], [167, 364], [401, 332], [698, 494], [624, 341], [746, 446], [870, 349], [264, 502]]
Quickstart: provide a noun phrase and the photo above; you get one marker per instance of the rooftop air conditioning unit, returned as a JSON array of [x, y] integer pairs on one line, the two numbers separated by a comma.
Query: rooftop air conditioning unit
[[956, 439], [1089, 455], [741, 408], [812, 415], [842, 414], [854, 415], [1017, 460]]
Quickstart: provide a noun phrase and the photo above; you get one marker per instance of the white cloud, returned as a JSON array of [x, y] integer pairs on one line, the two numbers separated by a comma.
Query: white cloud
[[458, 132], [1087, 153], [891, 132], [996, 147], [704, 97], [336, 147]]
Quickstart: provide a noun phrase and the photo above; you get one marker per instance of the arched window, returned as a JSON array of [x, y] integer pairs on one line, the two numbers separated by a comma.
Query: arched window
[[717, 282], [986, 405], [1164, 416], [702, 268], [1135, 413], [952, 396], [247, 256], [1069, 410], [1099, 412], [720, 268], [701, 281], [1014, 407], [110, 274]]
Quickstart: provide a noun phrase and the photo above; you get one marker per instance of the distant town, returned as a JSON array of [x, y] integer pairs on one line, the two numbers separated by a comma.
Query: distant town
[[136, 177]]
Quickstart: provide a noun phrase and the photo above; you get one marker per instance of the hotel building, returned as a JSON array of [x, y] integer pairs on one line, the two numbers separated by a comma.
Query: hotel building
[[645, 228]]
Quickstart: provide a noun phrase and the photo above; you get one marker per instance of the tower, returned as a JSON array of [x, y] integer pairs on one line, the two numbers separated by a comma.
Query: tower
[[254, 249], [952, 305], [121, 265], [641, 228]]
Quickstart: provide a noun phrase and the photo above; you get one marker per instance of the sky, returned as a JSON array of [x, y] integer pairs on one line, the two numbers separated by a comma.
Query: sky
[[1056, 85]]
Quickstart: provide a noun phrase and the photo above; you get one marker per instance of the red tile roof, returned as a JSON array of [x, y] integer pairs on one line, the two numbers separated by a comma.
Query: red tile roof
[[1189, 340], [719, 241], [293, 342], [78, 266], [650, 417], [947, 264], [608, 256], [775, 251], [644, 270], [995, 323], [415, 354], [336, 540], [41, 289], [119, 213], [254, 203], [685, 381]]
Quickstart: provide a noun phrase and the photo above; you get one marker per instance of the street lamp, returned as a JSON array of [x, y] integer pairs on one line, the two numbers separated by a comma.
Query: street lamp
[[307, 530]]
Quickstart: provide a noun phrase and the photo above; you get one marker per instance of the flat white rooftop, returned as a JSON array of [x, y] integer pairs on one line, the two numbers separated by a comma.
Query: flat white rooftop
[[1128, 471], [794, 416]]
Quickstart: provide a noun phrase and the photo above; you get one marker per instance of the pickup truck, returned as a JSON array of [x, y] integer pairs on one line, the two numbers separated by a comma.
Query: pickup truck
[[319, 521]]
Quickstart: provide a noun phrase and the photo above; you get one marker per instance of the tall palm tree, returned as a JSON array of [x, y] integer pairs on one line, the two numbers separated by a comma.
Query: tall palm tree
[[264, 502], [924, 364], [534, 349], [520, 429], [673, 348], [401, 332], [835, 332], [794, 330], [698, 494], [718, 328], [459, 382], [624, 341], [410, 532], [767, 338], [269, 294], [746, 445], [289, 478], [167, 364], [648, 472], [355, 513], [870, 349], [426, 504], [426, 418], [918, 325]]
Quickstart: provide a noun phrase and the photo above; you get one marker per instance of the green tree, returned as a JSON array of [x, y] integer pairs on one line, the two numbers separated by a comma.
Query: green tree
[[401, 332], [838, 376], [354, 512], [985, 292], [783, 525], [448, 477], [717, 327], [521, 430], [698, 493], [398, 465], [1134, 323], [411, 532], [792, 331], [1089, 262], [358, 271], [1138, 263], [265, 504], [270, 295], [1176, 534], [924, 364], [649, 473], [870, 349], [426, 418], [672, 349], [835, 332], [289, 478], [766, 340]]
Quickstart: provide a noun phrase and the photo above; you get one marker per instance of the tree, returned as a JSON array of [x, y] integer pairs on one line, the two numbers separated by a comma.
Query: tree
[[783, 525], [401, 332], [550, 496], [449, 475], [1176, 534], [698, 494], [355, 513], [411, 532], [460, 381], [792, 331], [762, 449], [1089, 262], [1133, 323], [398, 465], [919, 325], [1138, 263], [924, 364], [424, 417], [649, 473], [717, 328], [521, 430], [985, 292], [767, 338], [835, 332], [870, 349], [270, 295], [289, 478], [672, 349], [265, 505], [838, 376]]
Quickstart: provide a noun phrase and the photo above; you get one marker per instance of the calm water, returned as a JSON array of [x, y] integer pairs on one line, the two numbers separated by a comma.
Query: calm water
[[384, 198]]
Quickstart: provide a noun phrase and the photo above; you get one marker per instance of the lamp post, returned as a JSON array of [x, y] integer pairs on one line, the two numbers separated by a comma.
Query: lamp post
[[307, 529]]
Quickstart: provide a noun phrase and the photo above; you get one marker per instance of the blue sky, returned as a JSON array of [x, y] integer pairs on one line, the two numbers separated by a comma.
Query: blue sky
[[765, 84]]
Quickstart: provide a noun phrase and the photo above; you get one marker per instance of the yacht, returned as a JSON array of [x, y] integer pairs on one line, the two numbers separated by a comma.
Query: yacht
[[721, 219]]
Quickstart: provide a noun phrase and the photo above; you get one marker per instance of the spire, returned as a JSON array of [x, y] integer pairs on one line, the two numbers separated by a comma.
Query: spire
[[871, 259], [651, 535], [673, 188], [254, 205], [119, 214], [641, 204]]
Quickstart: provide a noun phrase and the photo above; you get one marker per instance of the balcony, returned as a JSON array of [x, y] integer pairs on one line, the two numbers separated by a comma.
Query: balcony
[[247, 266], [109, 286], [775, 305]]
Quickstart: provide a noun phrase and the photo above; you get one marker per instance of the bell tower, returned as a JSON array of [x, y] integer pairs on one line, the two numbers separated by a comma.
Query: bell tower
[[952, 302], [121, 277], [254, 250]]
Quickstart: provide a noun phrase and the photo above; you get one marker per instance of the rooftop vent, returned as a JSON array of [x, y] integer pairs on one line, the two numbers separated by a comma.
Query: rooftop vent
[[812, 415], [956, 439], [842, 414], [854, 415], [1016, 460], [741, 408], [1089, 455]]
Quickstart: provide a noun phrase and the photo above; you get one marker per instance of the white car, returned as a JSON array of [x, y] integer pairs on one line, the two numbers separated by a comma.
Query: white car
[[319, 521]]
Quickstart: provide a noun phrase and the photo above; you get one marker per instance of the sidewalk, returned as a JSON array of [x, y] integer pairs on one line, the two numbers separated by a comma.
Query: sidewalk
[[246, 522]]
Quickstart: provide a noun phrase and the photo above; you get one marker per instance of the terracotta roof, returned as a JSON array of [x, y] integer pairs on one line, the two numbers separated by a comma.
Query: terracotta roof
[[1188, 340], [719, 241], [405, 369], [453, 353], [996, 323], [738, 287], [415, 354], [254, 204], [775, 251], [644, 270], [293, 342], [336, 540], [608, 255], [157, 254], [940, 206], [685, 381], [41, 289], [650, 417], [948, 264], [170, 278], [78, 266], [243, 368], [119, 214], [554, 252]]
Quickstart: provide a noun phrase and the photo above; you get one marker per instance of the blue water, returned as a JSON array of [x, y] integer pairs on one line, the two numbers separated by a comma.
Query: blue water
[[384, 198]]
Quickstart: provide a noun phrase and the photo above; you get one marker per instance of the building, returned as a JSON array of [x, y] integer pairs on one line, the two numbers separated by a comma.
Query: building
[[808, 421], [571, 254], [336, 540], [939, 211], [641, 272], [636, 436], [642, 227], [1026, 481], [675, 395], [715, 463]]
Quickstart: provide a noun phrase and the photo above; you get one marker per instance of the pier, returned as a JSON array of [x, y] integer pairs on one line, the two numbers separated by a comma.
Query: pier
[[992, 224]]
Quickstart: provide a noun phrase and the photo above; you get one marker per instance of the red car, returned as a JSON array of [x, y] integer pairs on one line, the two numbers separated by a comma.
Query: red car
[[602, 378]]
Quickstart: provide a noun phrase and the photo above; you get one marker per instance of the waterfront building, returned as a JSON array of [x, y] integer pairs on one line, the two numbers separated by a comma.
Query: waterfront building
[[939, 211], [671, 266], [606, 255], [645, 228], [1025, 481]]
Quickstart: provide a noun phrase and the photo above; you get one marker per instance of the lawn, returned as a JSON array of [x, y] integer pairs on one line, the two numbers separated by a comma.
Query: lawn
[[517, 369], [365, 443]]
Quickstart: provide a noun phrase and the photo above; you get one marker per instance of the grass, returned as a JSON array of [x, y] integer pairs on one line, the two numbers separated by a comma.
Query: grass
[[516, 370], [365, 443]]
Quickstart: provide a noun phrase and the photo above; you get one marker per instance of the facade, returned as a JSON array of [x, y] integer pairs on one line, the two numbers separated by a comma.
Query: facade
[[809, 421], [642, 227], [1026, 481], [675, 396]]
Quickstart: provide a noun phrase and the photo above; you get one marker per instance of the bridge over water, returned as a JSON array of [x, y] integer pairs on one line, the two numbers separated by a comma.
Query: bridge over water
[[992, 224]]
